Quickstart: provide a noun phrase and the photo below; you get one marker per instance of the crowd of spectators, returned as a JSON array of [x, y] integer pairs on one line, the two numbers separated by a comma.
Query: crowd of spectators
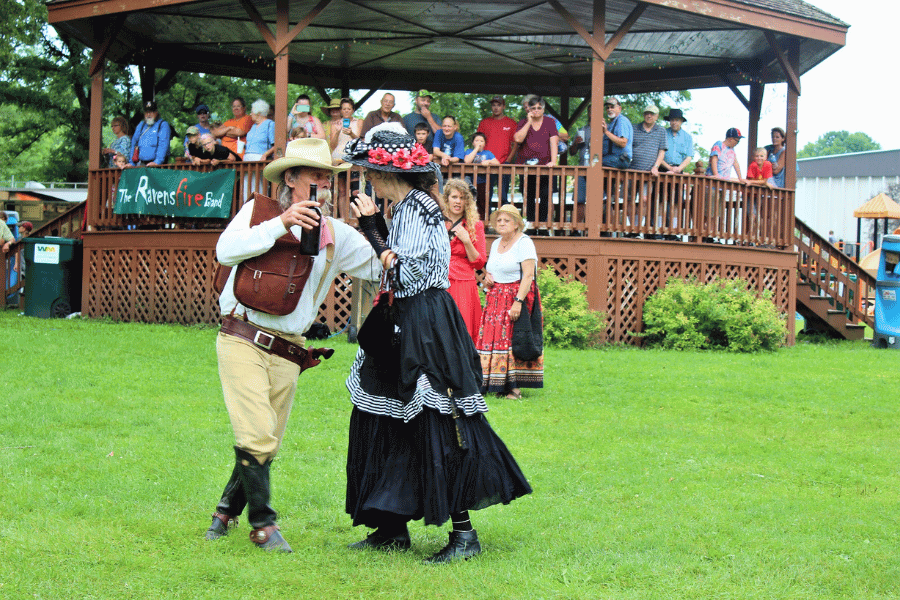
[[535, 139]]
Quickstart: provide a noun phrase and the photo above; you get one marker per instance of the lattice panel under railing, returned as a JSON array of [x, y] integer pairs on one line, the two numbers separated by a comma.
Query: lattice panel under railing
[[159, 299], [166, 285], [143, 286]]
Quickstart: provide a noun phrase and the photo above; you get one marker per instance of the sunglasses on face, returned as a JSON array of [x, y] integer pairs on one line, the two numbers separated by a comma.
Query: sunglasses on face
[[203, 112]]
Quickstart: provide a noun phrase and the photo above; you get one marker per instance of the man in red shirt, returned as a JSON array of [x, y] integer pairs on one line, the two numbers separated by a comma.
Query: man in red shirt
[[499, 130]]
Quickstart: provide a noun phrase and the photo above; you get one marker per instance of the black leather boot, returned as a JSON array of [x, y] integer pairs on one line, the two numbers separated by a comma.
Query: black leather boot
[[255, 479], [229, 508], [463, 545], [385, 538]]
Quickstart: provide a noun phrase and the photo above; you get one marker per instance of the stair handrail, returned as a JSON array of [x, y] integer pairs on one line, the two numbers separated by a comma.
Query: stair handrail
[[830, 272]]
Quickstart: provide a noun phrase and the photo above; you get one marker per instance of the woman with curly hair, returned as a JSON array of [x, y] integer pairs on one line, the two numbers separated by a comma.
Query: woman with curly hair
[[467, 250]]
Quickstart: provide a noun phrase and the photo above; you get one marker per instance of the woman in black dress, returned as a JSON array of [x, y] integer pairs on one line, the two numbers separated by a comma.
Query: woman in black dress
[[420, 446]]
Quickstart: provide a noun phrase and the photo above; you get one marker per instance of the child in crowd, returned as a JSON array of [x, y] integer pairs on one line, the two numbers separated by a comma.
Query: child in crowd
[[448, 148], [120, 161], [297, 133], [422, 131], [478, 155], [760, 170]]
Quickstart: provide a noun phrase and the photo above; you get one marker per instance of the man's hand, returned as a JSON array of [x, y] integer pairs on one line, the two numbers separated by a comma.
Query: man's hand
[[302, 214]]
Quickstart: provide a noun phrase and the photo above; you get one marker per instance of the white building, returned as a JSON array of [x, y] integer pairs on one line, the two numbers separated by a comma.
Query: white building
[[830, 188]]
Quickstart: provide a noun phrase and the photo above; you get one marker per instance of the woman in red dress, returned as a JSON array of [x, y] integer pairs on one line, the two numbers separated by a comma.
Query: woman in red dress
[[467, 250]]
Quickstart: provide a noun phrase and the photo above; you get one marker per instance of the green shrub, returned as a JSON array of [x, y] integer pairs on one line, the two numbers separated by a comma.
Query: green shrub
[[720, 315], [568, 322]]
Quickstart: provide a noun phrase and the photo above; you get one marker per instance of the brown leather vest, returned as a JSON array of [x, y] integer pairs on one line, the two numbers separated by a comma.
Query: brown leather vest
[[271, 282]]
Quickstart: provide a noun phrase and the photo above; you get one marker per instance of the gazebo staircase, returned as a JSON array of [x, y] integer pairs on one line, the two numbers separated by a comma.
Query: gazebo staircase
[[834, 294]]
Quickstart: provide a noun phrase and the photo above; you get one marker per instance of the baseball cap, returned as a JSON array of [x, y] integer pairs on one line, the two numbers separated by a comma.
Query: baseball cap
[[201, 108], [151, 106], [192, 130], [733, 132], [611, 101], [424, 94], [498, 99], [651, 108]]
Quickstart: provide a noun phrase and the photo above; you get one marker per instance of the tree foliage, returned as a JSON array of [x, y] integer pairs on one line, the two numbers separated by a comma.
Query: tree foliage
[[839, 142], [45, 108]]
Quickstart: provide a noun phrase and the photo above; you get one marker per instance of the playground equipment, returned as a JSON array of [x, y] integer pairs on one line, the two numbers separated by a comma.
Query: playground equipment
[[887, 308]]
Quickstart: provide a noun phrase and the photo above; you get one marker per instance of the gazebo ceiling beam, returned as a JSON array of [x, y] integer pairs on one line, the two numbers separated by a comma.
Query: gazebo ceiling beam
[[109, 27], [792, 76], [302, 24], [734, 89], [511, 13], [261, 25]]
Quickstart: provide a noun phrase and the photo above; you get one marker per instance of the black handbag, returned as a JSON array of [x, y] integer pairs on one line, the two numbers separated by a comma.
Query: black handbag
[[528, 329], [378, 336]]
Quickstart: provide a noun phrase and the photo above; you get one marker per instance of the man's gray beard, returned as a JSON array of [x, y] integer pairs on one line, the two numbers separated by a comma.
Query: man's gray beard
[[286, 198], [149, 120]]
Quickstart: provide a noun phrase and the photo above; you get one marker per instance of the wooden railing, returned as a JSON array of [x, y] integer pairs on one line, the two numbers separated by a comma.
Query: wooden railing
[[67, 225], [833, 274], [697, 208]]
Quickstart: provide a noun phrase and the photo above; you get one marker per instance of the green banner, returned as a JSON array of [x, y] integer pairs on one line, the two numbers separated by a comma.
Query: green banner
[[163, 192]]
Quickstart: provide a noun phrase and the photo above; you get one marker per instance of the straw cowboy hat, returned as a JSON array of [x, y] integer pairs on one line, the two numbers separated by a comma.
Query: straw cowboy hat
[[390, 148], [335, 103], [305, 152], [511, 210]]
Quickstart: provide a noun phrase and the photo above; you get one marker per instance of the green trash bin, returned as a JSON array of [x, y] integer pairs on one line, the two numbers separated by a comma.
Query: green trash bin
[[52, 277]]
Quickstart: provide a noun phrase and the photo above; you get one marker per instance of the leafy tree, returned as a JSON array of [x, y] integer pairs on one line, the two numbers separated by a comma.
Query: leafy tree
[[839, 142]]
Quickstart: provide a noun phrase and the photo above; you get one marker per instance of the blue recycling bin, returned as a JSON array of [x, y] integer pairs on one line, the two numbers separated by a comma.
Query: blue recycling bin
[[52, 277], [887, 287]]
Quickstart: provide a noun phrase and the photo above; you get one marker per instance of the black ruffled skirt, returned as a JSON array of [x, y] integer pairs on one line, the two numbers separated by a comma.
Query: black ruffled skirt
[[417, 470], [414, 466]]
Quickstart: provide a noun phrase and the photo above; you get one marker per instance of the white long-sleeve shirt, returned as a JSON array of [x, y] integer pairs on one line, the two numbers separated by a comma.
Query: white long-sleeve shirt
[[352, 255]]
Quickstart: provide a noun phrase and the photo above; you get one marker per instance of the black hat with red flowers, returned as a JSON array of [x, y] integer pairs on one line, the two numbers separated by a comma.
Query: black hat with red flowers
[[388, 147]]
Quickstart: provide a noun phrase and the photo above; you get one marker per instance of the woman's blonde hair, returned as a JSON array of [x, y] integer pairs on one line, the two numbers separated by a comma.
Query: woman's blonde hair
[[470, 212]]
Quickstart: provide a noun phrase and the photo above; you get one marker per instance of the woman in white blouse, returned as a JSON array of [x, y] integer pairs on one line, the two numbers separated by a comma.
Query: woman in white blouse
[[511, 268]]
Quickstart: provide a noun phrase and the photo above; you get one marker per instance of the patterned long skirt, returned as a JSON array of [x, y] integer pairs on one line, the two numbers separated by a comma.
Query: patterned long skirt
[[501, 371]]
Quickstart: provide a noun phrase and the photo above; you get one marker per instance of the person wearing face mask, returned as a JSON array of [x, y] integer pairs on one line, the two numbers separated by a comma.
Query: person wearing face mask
[[150, 142]]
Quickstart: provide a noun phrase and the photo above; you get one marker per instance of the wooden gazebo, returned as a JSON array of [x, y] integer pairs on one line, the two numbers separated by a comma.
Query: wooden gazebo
[[575, 50]]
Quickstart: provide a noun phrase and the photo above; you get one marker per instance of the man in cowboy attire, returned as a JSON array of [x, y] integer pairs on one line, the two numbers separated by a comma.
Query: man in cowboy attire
[[261, 354]]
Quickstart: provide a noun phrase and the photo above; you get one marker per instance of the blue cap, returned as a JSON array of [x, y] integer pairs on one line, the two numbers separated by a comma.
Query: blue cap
[[202, 107]]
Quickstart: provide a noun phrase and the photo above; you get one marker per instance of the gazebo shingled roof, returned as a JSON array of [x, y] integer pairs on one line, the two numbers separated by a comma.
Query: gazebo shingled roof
[[483, 47]]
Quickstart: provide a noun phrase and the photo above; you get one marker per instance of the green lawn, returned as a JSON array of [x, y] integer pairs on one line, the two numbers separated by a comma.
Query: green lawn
[[656, 475]]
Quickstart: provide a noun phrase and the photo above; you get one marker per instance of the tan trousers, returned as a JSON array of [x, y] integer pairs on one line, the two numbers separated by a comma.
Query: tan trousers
[[259, 392]]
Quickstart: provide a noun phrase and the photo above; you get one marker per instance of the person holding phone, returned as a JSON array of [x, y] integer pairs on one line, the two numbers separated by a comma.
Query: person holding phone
[[301, 116], [340, 128]]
